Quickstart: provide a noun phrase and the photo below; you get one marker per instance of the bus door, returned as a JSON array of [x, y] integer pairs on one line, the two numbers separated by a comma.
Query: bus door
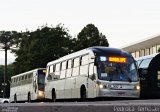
[[92, 81], [34, 83]]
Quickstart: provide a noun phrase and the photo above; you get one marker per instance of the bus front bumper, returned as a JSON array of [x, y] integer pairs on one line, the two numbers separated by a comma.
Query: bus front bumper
[[119, 93]]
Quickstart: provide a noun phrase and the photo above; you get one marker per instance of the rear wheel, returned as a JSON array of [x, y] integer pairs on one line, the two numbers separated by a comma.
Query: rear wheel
[[29, 98], [15, 98], [83, 94], [53, 96], [6, 102]]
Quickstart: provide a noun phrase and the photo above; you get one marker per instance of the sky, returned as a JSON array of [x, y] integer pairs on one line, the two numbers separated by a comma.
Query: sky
[[122, 21]]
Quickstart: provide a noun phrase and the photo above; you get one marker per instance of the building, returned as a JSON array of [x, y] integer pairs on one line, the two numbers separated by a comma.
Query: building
[[145, 47]]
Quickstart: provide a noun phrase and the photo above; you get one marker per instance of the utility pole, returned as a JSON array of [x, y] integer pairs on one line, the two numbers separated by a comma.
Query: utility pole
[[5, 71], [4, 84], [6, 41]]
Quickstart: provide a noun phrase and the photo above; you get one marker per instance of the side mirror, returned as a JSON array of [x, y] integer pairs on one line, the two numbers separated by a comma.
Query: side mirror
[[49, 77], [93, 77], [142, 71]]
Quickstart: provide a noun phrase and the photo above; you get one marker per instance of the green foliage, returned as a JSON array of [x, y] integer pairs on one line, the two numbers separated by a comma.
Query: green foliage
[[39, 47], [90, 36], [9, 71], [7, 38]]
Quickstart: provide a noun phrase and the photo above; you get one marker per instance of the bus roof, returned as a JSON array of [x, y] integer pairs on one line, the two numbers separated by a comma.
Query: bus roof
[[27, 72], [145, 57], [98, 50]]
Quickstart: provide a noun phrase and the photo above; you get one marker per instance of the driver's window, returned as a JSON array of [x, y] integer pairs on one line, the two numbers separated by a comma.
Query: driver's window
[[91, 66]]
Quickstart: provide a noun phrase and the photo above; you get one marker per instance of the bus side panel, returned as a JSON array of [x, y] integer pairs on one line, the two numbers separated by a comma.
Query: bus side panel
[[69, 85], [48, 89], [12, 93], [81, 80], [23, 92], [91, 89], [75, 74], [59, 86]]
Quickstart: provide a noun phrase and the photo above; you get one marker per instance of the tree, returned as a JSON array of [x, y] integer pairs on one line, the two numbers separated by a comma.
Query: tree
[[7, 41], [90, 36], [39, 47]]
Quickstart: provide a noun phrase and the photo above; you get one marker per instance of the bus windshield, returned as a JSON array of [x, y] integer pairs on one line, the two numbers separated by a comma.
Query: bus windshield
[[117, 69], [41, 79]]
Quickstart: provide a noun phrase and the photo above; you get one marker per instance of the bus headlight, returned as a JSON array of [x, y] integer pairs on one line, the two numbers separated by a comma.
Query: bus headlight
[[101, 86], [137, 87], [40, 93]]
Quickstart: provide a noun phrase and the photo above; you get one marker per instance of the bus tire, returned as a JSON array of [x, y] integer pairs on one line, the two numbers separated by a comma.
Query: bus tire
[[53, 95], [15, 98], [6, 102], [83, 93], [29, 98]]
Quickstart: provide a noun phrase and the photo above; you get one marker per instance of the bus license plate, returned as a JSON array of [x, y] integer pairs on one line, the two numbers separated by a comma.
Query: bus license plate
[[121, 93], [115, 86]]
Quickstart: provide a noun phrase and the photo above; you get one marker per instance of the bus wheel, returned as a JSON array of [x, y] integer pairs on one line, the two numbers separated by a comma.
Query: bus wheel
[[15, 98], [83, 93], [6, 102], [29, 98], [53, 96]]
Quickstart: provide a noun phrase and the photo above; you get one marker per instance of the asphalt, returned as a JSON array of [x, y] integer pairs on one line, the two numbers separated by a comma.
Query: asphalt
[[149, 105]]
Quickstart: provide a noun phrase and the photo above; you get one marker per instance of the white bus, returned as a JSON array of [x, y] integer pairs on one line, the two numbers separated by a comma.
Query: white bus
[[28, 86], [92, 72]]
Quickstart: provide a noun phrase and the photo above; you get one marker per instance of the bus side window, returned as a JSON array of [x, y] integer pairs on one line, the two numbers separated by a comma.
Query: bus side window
[[72, 63], [84, 60], [76, 64], [80, 61], [51, 69], [17, 80], [91, 71], [63, 69], [68, 68], [50, 72], [25, 77], [57, 71], [84, 65], [63, 65], [60, 66], [145, 63], [143, 67], [67, 65], [22, 78]]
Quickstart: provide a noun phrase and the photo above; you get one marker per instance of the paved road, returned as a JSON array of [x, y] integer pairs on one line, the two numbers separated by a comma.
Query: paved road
[[152, 105]]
